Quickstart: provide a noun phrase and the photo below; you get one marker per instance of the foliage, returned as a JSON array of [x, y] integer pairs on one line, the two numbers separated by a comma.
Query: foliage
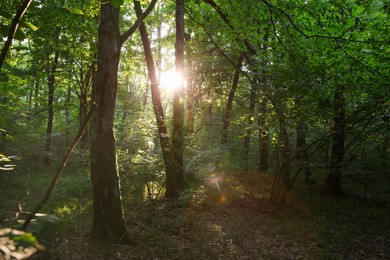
[[17, 244]]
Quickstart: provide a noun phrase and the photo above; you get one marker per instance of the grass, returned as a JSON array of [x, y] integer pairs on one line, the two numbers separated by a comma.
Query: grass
[[236, 222]]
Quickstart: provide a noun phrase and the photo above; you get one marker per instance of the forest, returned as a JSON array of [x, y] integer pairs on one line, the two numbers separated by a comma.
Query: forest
[[197, 129]]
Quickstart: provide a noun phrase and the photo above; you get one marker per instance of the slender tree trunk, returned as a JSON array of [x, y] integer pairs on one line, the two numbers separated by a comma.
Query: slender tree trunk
[[282, 183], [12, 30], [302, 156], [178, 99], [67, 114], [36, 92], [333, 183], [190, 90], [248, 129], [50, 109], [263, 136], [108, 220], [229, 104], [84, 105], [171, 190]]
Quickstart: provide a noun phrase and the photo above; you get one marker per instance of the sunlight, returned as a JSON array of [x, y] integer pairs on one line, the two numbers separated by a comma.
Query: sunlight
[[170, 80]]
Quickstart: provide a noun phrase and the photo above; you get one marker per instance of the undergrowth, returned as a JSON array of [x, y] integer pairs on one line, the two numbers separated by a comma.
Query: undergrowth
[[234, 220]]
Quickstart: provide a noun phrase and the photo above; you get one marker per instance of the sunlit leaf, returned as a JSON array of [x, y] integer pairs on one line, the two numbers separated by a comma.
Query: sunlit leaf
[[28, 25], [75, 10], [25, 240]]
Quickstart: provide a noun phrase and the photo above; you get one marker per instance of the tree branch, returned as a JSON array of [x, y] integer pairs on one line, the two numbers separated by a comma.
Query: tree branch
[[137, 23], [59, 170], [12, 30]]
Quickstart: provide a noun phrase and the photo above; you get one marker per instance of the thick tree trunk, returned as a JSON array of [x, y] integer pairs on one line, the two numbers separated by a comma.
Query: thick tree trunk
[[108, 220], [178, 99], [248, 129], [171, 190], [229, 104], [50, 109], [263, 136], [333, 182]]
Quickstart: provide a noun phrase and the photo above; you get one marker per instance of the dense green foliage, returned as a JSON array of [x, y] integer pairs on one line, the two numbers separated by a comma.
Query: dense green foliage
[[312, 72]]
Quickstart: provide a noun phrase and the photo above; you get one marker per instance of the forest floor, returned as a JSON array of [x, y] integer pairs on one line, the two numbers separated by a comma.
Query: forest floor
[[237, 221]]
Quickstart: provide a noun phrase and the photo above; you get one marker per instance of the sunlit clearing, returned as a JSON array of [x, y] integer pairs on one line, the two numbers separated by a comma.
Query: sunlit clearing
[[171, 80]]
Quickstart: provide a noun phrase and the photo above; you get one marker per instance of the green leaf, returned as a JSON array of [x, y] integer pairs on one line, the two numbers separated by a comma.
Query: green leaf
[[28, 25], [25, 240], [116, 3], [75, 10]]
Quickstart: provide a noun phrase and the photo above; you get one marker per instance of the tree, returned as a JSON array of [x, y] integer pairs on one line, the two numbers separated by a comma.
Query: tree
[[12, 30], [50, 108], [171, 187], [108, 221], [178, 99], [229, 104]]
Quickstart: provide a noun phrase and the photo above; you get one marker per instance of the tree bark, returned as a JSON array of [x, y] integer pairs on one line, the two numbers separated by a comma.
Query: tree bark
[[333, 182], [229, 104], [302, 155], [171, 188], [50, 109], [248, 129], [12, 30], [85, 83], [282, 183], [178, 99], [190, 90], [108, 220], [263, 136]]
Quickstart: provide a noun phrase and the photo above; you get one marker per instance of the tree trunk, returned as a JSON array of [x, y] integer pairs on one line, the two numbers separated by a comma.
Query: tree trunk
[[333, 182], [190, 91], [108, 220], [83, 99], [50, 109], [36, 92], [229, 104], [263, 136], [171, 190], [302, 156], [248, 129], [178, 99], [282, 184]]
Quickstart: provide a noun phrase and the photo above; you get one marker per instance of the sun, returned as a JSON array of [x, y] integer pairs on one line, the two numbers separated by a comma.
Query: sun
[[170, 80]]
